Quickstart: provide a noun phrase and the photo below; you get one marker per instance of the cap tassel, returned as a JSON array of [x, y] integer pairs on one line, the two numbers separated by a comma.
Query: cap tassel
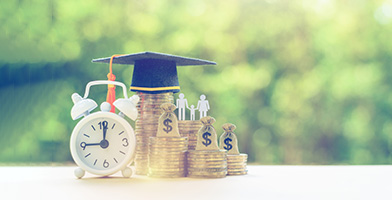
[[111, 96]]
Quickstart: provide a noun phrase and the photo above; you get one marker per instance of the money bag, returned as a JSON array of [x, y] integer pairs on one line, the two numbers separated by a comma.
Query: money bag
[[168, 124], [228, 140], [206, 137]]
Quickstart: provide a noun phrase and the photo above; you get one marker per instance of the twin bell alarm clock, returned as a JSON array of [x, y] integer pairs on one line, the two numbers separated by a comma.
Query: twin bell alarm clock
[[103, 143]]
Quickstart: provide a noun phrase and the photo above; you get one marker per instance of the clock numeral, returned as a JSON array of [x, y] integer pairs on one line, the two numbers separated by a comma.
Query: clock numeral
[[103, 124], [126, 142], [92, 127], [113, 125], [105, 164], [87, 155], [122, 152], [83, 145], [115, 160], [95, 162]]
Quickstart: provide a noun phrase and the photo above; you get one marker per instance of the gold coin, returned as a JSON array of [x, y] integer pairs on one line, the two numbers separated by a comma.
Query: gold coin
[[174, 140], [207, 175], [169, 145], [166, 169], [157, 163], [206, 165], [236, 167], [161, 139], [209, 152], [237, 173], [166, 157], [166, 150], [212, 161], [162, 153], [203, 165], [236, 162], [206, 156], [220, 169], [178, 144], [166, 174], [236, 159], [238, 155]]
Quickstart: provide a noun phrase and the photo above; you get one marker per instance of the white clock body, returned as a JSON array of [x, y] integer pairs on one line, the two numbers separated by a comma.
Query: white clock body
[[98, 155]]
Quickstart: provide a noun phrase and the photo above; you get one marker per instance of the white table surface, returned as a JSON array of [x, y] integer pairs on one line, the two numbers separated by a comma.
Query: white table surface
[[262, 182]]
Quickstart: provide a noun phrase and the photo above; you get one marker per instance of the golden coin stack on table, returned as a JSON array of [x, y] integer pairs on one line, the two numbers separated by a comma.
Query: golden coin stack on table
[[190, 128], [166, 151], [167, 157], [207, 160], [146, 125], [236, 162], [207, 164]]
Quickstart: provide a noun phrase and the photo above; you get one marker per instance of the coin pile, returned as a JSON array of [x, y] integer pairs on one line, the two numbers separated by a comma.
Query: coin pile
[[146, 125], [236, 164], [166, 157], [189, 128], [207, 164]]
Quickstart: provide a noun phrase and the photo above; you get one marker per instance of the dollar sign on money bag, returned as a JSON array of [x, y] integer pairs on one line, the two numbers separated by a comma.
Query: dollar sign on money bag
[[207, 140], [227, 143], [228, 140], [166, 123]]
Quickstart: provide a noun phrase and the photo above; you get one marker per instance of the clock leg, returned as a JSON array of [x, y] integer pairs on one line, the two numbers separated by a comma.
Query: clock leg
[[126, 172], [79, 173]]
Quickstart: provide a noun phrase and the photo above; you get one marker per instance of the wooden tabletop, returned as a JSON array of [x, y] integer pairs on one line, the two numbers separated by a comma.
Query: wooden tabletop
[[262, 182]]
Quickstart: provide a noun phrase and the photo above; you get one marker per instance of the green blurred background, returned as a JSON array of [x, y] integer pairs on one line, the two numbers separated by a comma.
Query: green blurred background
[[306, 82]]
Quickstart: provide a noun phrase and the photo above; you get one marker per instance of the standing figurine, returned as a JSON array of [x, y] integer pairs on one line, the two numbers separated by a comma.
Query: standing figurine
[[192, 111], [181, 105], [203, 106]]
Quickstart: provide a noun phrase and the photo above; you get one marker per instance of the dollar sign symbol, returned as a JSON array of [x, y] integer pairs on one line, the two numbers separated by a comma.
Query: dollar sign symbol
[[227, 143], [168, 127], [205, 136]]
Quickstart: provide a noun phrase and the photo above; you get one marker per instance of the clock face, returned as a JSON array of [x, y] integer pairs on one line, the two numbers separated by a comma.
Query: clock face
[[103, 143]]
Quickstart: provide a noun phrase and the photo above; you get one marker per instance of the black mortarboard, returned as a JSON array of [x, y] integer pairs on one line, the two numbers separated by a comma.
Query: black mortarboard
[[155, 72]]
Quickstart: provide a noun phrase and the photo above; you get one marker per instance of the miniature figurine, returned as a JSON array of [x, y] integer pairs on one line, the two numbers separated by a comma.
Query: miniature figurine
[[203, 106], [181, 104], [192, 112]]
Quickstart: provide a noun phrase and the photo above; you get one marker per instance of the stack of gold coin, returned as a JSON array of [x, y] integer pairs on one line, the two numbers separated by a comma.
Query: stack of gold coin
[[166, 157], [146, 125], [207, 164], [236, 164], [189, 128]]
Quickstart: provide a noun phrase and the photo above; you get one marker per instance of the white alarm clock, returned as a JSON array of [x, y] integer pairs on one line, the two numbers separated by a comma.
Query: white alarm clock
[[103, 143]]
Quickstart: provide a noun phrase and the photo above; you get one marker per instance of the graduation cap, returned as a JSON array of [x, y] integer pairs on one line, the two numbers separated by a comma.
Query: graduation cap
[[155, 72]]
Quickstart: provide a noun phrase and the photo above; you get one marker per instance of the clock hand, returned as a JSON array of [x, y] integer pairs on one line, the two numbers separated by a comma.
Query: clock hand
[[83, 144], [104, 133]]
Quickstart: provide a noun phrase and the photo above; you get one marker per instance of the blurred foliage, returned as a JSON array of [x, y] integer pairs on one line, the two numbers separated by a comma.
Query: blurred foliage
[[305, 82]]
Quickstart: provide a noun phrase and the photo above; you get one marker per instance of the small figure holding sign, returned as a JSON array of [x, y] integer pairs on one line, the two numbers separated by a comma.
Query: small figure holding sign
[[203, 106], [181, 105]]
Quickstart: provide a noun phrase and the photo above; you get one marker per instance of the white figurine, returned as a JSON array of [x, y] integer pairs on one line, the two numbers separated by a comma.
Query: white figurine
[[192, 110], [181, 105], [203, 106]]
